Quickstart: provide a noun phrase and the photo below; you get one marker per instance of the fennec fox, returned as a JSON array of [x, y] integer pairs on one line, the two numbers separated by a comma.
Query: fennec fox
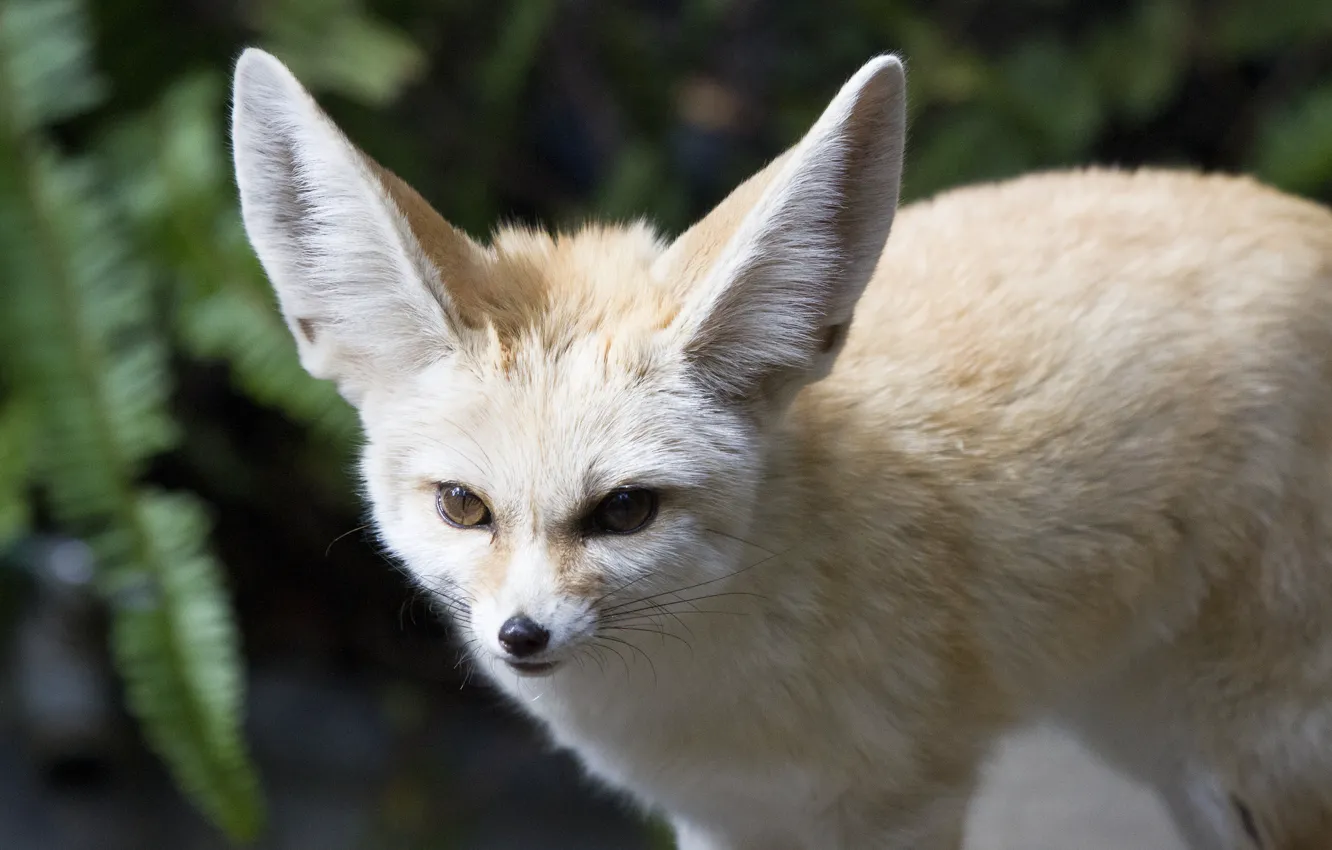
[[1073, 460]]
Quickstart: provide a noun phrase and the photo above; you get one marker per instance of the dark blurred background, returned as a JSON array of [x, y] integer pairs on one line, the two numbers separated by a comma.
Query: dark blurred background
[[178, 501]]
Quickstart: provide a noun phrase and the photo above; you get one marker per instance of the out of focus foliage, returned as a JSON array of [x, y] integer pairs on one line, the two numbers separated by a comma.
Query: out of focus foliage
[[125, 278], [120, 249]]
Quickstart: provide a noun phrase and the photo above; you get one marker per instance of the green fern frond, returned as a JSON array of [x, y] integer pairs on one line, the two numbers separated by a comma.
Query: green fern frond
[[183, 203], [176, 646], [87, 364], [249, 335], [56, 81], [1295, 147]]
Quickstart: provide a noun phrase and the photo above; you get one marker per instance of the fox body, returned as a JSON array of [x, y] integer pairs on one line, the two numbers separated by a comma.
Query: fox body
[[779, 528]]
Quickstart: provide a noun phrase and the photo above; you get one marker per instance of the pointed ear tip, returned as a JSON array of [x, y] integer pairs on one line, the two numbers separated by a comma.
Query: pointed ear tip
[[885, 64], [259, 69], [254, 61]]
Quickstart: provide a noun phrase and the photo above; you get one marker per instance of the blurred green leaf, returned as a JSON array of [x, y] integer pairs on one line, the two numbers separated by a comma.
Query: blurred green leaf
[[1052, 94], [334, 46], [94, 376], [57, 81], [968, 146], [171, 165], [249, 334], [636, 173], [177, 648], [507, 67], [1295, 148], [1138, 61]]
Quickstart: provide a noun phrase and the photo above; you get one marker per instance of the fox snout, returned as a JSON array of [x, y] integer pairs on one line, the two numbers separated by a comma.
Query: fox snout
[[534, 617], [532, 638]]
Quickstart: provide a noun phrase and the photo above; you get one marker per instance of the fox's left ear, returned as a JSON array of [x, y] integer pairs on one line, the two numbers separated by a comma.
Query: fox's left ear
[[777, 268], [364, 269]]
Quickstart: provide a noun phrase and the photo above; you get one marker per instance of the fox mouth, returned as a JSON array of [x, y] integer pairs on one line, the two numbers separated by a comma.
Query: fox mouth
[[531, 668]]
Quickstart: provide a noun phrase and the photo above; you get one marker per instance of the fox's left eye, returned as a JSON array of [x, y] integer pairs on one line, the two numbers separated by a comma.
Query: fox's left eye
[[624, 511], [461, 507]]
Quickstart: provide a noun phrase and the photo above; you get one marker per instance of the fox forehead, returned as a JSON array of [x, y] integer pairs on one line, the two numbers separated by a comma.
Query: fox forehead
[[552, 431], [549, 289]]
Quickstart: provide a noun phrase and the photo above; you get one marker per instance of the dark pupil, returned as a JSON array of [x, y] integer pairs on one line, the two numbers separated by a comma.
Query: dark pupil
[[464, 508], [625, 511]]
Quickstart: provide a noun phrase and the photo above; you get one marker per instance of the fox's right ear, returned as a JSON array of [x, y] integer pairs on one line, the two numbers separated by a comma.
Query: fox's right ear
[[775, 271], [340, 238]]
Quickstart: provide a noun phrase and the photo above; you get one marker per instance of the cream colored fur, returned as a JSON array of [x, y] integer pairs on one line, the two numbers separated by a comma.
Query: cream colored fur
[[1073, 460]]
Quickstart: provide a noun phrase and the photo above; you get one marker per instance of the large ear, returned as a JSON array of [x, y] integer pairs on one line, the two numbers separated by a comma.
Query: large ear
[[358, 260], [777, 268]]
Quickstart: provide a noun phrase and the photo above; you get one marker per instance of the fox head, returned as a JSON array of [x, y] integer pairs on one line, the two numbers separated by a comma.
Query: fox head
[[558, 425]]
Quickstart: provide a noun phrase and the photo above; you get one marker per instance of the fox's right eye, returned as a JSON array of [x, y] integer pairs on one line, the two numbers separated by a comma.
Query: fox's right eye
[[461, 508]]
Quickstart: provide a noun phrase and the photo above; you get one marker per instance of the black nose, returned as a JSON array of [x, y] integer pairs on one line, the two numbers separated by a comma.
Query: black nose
[[522, 637]]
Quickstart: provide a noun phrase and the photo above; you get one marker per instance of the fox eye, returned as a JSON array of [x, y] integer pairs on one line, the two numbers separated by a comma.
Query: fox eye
[[624, 511], [461, 508]]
